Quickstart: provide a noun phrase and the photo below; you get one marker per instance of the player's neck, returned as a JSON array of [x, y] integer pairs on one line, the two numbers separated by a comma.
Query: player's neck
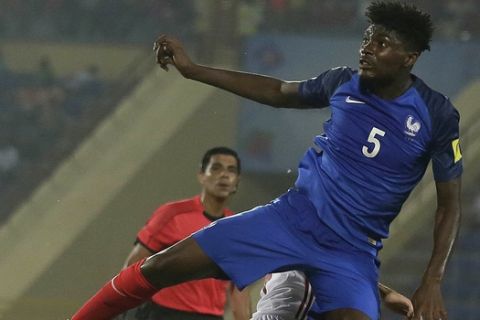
[[393, 89], [213, 205]]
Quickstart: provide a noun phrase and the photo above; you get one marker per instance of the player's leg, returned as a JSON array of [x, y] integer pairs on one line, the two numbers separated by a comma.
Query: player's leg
[[176, 262], [243, 247], [344, 280], [251, 244], [159, 312], [342, 314], [181, 262], [137, 283], [344, 297]]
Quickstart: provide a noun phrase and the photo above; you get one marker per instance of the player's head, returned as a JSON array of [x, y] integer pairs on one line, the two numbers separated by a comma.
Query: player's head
[[414, 27], [397, 34], [220, 172]]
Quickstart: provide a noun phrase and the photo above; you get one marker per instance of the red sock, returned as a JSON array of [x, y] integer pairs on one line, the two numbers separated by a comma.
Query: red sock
[[125, 291]]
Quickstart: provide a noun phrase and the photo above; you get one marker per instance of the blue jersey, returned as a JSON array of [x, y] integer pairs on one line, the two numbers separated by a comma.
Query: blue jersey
[[373, 152]]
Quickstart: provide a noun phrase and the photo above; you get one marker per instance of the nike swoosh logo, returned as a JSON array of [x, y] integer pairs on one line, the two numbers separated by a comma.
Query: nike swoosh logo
[[350, 100]]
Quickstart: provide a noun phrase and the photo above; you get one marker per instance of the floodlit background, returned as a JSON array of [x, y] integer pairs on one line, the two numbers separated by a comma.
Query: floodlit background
[[94, 136]]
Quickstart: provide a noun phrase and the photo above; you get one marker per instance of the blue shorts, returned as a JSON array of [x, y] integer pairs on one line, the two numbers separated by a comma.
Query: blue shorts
[[287, 234]]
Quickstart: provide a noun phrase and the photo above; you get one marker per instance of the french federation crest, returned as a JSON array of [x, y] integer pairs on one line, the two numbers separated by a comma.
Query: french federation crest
[[412, 126]]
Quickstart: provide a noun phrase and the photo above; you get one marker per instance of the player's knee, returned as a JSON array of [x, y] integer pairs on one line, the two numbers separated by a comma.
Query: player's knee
[[156, 269]]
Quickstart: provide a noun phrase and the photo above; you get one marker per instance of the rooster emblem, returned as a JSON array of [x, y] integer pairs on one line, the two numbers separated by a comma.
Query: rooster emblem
[[412, 126]]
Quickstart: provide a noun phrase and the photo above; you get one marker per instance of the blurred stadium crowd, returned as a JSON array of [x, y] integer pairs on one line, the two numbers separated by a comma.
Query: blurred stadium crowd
[[39, 109], [135, 21], [35, 107]]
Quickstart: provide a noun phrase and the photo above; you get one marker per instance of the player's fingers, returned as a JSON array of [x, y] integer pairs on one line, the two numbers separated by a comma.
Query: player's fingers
[[161, 39], [409, 314], [163, 65], [159, 55], [409, 310], [442, 315], [164, 62], [417, 316], [163, 59], [160, 47], [162, 50]]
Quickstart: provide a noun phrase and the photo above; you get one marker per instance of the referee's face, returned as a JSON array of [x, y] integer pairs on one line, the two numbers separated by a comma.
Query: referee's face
[[383, 56], [220, 178]]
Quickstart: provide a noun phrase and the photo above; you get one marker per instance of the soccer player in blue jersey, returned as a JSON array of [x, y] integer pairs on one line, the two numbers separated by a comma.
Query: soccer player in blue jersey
[[386, 126]]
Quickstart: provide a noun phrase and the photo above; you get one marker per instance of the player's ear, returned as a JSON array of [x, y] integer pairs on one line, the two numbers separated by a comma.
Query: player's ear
[[200, 177], [411, 59], [236, 186]]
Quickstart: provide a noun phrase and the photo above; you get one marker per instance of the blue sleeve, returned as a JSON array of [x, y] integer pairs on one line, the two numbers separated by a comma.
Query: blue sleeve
[[316, 92], [446, 155]]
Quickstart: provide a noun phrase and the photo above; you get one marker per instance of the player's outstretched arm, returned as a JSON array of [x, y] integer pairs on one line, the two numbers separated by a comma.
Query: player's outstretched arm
[[396, 301], [260, 88], [427, 299]]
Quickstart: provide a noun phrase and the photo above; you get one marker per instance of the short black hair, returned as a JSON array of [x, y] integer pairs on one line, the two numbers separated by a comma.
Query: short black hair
[[219, 150], [415, 27]]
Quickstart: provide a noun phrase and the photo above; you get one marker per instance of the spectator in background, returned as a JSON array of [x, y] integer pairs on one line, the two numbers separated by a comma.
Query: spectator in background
[[249, 15], [51, 118], [82, 88], [9, 157], [4, 71], [86, 81], [45, 73], [132, 21], [456, 22]]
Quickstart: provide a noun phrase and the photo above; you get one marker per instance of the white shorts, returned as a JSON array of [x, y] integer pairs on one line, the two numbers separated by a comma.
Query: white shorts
[[267, 317], [285, 296]]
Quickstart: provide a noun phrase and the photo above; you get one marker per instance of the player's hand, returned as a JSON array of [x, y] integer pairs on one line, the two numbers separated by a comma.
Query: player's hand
[[169, 50], [428, 302], [398, 303]]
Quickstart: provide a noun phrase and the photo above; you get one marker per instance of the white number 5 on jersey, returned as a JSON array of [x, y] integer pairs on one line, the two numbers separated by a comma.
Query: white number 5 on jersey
[[376, 143]]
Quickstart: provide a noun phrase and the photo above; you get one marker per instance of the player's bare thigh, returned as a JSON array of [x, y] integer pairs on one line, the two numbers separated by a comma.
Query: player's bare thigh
[[181, 262]]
